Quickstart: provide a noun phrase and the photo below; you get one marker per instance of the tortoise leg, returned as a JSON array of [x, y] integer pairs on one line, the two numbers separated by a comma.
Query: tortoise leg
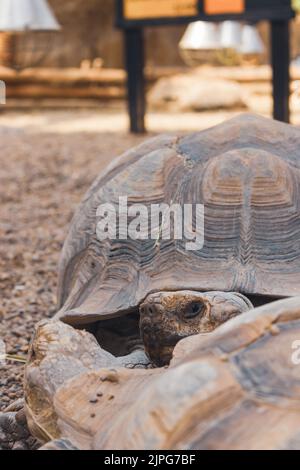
[[57, 354], [136, 360], [14, 433]]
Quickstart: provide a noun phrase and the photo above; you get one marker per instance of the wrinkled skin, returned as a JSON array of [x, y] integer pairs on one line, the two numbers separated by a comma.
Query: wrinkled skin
[[168, 317], [14, 433]]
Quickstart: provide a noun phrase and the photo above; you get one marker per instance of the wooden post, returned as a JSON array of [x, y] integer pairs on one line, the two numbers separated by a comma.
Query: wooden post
[[281, 69], [134, 49]]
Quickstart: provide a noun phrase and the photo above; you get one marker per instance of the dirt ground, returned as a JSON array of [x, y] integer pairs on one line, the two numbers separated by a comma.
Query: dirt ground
[[48, 160]]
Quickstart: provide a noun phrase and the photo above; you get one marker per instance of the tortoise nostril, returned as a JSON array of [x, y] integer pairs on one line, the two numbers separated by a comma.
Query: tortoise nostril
[[142, 310], [148, 310]]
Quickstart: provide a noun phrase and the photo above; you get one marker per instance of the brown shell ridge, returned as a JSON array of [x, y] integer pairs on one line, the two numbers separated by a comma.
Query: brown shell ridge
[[223, 190], [131, 251], [243, 131], [80, 231]]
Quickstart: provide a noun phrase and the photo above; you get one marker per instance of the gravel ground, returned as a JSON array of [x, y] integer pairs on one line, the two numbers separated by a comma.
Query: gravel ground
[[42, 179]]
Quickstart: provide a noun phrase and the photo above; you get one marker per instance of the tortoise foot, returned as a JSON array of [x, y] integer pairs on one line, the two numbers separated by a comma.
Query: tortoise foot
[[14, 433]]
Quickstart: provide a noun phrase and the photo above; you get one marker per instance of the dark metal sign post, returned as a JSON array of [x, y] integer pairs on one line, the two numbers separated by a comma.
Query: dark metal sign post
[[134, 15]]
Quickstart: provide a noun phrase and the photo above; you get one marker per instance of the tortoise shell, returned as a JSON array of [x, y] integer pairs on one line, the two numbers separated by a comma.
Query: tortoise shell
[[246, 173], [236, 388]]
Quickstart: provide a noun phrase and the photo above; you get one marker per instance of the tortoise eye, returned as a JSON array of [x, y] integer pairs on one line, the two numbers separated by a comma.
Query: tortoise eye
[[194, 309]]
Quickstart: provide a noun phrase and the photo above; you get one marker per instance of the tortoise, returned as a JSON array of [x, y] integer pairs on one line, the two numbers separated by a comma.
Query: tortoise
[[236, 388], [153, 292]]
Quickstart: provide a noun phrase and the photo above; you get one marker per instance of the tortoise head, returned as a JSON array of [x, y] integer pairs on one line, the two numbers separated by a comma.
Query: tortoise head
[[168, 317]]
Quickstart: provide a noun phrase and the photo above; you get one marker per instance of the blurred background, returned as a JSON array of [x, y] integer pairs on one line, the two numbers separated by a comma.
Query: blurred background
[[81, 66]]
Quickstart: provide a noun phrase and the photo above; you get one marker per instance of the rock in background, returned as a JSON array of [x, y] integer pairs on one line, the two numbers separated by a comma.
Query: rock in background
[[190, 92]]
